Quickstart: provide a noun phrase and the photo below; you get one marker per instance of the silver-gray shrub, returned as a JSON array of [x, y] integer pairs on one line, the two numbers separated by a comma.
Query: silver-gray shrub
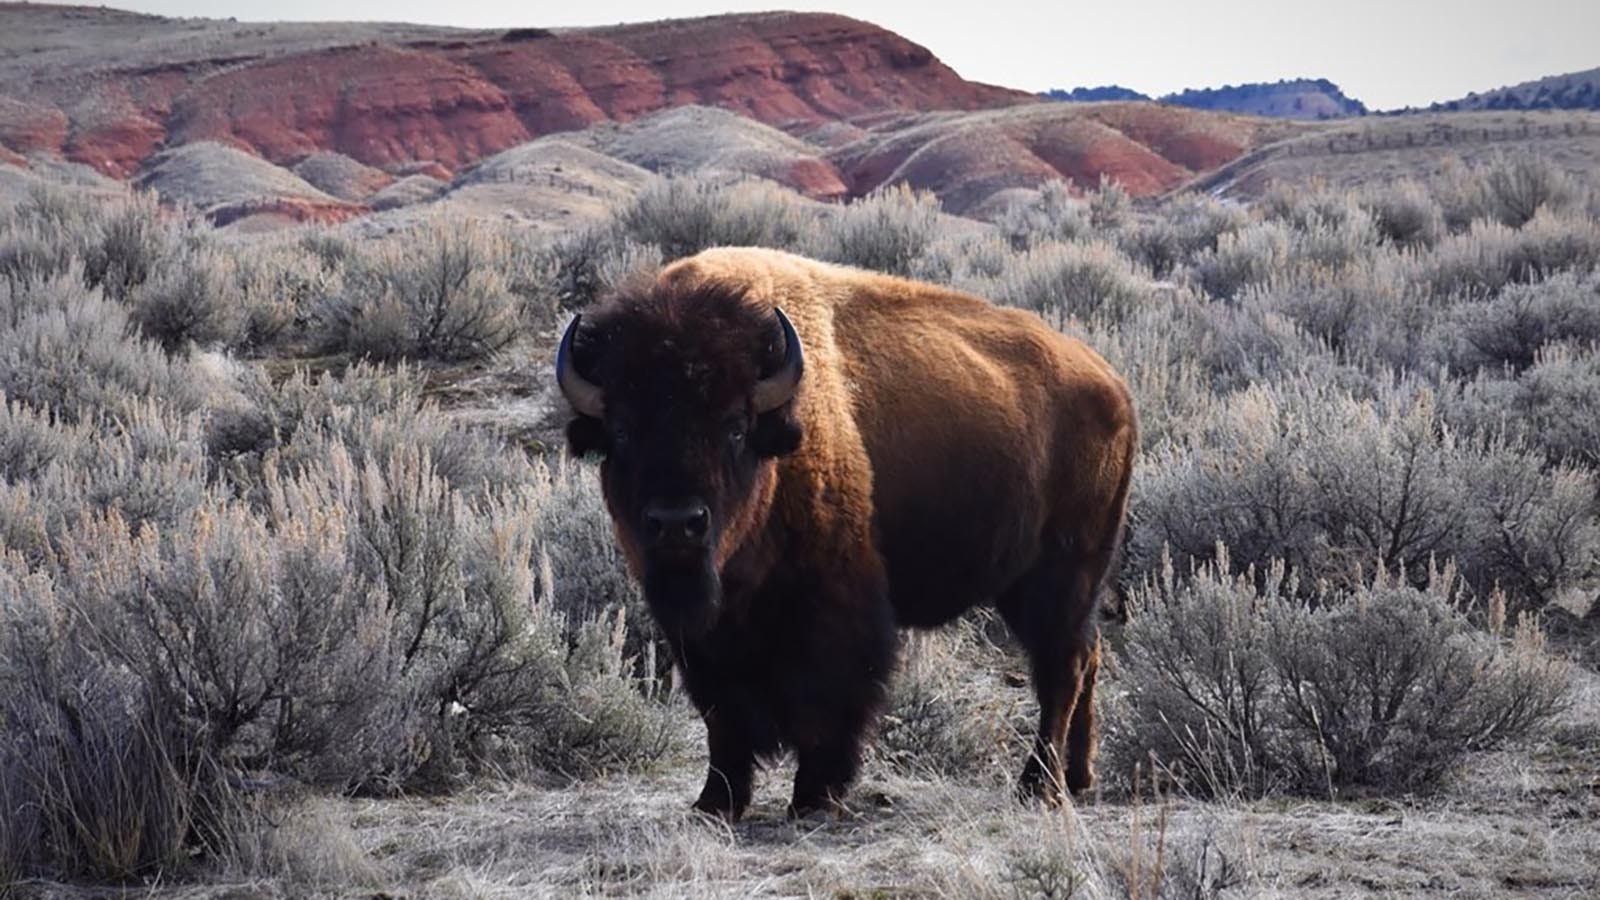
[[279, 286], [587, 572], [1339, 486], [368, 411], [942, 721], [1510, 190], [1392, 686], [331, 249], [31, 439], [1489, 256], [128, 242], [30, 256], [1549, 405], [1240, 345], [1072, 280], [1110, 205], [886, 231], [1367, 313], [68, 349], [1239, 684], [437, 293], [191, 301], [369, 628], [573, 269], [114, 243], [324, 578], [683, 215], [1509, 329], [1181, 353], [1334, 242], [1531, 527], [1171, 389], [1049, 214], [1181, 229], [96, 778], [1405, 214], [971, 262], [1250, 256], [1316, 240], [147, 465], [1305, 209]]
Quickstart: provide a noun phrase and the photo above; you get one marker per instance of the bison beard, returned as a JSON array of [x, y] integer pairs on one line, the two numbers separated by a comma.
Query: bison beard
[[683, 594], [784, 527]]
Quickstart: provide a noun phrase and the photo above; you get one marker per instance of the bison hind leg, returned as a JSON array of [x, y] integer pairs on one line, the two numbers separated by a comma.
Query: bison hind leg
[[1051, 611], [1082, 734]]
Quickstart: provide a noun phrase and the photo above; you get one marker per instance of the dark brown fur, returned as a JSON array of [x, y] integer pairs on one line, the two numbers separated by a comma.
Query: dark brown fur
[[940, 453]]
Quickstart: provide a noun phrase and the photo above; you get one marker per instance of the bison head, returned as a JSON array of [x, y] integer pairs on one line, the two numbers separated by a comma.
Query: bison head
[[688, 397]]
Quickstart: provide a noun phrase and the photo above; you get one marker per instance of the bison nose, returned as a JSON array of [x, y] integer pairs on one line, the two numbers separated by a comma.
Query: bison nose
[[679, 524]]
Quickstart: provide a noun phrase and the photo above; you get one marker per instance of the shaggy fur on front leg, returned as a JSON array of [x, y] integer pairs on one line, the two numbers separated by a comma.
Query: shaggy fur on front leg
[[730, 770]]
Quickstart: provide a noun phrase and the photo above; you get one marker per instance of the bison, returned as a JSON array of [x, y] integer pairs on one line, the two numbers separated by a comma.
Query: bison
[[800, 458]]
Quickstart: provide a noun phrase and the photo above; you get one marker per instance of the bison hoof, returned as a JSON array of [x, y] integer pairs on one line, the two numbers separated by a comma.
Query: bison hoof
[[1036, 786], [716, 810], [817, 808], [1079, 781]]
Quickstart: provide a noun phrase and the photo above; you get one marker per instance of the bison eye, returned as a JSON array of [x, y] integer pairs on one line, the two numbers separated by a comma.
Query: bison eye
[[735, 430], [619, 435]]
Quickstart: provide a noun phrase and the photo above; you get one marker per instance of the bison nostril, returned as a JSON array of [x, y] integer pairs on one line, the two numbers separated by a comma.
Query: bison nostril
[[699, 519]]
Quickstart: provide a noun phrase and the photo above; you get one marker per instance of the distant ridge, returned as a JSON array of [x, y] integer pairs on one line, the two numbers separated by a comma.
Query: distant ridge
[[1095, 94], [1574, 90], [1299, 98], [1312, 99]]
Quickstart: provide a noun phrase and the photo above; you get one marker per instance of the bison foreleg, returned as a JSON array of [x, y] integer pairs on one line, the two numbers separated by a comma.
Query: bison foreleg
[[732, 766], [824, 775]]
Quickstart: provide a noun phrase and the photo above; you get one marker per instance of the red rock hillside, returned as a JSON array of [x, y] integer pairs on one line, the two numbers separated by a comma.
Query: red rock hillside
[[111, 88]]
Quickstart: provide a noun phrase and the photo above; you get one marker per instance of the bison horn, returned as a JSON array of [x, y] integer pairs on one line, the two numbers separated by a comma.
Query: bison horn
[[585, 396], [776, 389]]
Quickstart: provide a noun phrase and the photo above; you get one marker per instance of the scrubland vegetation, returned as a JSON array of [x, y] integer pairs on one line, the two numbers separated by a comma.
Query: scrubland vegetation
[[252, 564]]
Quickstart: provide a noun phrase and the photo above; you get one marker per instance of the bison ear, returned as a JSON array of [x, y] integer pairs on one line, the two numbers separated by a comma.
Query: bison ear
[[586, 436], [777, 433]]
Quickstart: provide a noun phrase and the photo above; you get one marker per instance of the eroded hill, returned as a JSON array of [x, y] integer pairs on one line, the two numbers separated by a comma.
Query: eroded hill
[[111, 89]]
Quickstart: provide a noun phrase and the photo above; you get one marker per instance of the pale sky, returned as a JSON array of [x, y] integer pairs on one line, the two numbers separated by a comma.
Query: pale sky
[[1385, 53]]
